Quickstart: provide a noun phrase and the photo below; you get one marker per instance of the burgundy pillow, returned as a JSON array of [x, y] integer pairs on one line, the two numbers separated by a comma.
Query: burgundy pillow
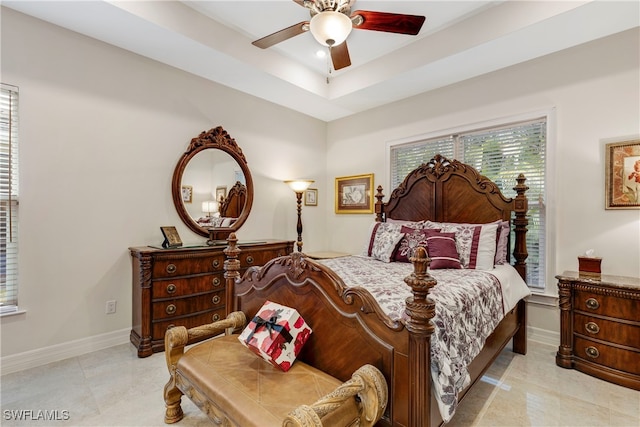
[[412, 239], [442, 251]]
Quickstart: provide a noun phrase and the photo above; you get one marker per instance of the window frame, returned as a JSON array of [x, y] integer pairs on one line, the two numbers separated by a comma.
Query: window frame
[[10, 122], [546, 295]]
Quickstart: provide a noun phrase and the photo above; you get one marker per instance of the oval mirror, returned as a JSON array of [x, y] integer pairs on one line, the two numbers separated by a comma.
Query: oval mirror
[[212, 187]]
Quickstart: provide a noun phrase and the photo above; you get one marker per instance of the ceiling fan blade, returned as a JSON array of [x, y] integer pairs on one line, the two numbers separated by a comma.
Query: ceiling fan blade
[[282, 35], [340, 56], [389, 22]]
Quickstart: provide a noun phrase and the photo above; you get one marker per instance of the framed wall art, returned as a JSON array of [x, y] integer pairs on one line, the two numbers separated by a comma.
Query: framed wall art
[[311, 197], [622, 175], [221, 193], [187, 193], [354, 194]]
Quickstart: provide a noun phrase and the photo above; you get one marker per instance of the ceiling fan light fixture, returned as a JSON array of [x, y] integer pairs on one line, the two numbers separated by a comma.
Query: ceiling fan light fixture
[[330, 28]]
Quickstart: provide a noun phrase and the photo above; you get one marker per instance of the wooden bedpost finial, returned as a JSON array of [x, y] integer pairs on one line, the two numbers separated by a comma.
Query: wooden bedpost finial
[[419, 307], [379, 204]]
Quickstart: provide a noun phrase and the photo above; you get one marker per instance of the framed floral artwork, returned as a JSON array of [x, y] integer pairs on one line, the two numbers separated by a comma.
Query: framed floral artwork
[[354, 194], [622, 175]]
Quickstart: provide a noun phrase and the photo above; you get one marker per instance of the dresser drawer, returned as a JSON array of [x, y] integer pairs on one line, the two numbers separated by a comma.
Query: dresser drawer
[[172, 288], [189, 265], [178, 307], [607, 330], [607, 355], [606, 305], [161, 326], [249, 258]]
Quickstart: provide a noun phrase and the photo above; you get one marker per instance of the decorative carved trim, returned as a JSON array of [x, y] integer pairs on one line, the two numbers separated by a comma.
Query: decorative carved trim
[[215, 138], [607, 291]]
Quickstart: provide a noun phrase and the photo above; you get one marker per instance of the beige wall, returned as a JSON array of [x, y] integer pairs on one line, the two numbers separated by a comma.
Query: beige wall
[[102, 129], [594, 90]]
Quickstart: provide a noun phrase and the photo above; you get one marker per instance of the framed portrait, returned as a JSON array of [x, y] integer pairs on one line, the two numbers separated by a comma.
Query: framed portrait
[[221, 193], [171, 237], [311, 197], [622, 175], [354, 194], [187, 193]]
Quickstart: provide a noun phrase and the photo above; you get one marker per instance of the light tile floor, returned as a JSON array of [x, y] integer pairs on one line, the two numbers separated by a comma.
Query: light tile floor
[[113, 387]]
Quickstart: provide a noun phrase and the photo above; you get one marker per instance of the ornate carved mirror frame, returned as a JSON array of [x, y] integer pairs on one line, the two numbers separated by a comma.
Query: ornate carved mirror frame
[[218, 139]]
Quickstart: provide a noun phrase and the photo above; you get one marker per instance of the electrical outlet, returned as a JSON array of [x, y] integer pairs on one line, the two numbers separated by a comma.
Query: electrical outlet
[[111, 307]]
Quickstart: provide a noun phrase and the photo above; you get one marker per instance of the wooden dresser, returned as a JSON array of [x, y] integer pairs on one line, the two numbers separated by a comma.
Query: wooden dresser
[[600, 327], [186, 287]]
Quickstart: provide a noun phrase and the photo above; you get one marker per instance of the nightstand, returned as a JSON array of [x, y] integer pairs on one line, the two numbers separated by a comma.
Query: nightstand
[[600, 327]]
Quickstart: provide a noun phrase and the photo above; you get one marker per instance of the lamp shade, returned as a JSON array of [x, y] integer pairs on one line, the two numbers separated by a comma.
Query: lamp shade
[[210, 206], [330, 28], [299, 185]]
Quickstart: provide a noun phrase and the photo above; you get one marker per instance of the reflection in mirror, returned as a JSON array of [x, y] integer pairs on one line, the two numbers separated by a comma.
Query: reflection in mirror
[[211, 174], [212, 187]]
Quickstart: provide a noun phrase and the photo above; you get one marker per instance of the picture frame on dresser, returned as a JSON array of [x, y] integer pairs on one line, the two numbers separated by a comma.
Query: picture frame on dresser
[[622, 175]]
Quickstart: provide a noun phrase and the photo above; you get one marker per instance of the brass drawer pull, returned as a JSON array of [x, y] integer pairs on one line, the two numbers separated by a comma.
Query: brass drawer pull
[[171, 268], [215, 299], [215, 317], [171, 326], [592, 303], [171, 288], [249, 259], [171, 309], [216, 263], [592, 352], [216, 281], [592, 328]]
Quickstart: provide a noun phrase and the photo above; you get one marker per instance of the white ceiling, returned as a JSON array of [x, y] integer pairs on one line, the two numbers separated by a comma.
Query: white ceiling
[[459, 40]]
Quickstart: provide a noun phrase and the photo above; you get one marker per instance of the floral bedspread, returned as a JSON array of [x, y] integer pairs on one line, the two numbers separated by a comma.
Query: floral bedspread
[[468, 308]]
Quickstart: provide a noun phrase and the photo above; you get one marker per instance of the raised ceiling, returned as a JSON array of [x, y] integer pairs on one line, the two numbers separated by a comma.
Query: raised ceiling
[[459, 40]]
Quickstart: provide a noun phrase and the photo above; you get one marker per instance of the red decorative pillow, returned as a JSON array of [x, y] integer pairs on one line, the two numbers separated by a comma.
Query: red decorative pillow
[[412, 239], [442, 251]]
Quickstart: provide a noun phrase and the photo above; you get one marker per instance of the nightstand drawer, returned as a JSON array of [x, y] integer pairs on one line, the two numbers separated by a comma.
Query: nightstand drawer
[[607, 330], [606, 305], [172, 288], [617, 358]]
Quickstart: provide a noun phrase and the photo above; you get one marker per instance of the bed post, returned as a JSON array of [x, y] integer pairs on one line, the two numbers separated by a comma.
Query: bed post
[[521, 206], [420, 310], [231, 271], [379, 205]]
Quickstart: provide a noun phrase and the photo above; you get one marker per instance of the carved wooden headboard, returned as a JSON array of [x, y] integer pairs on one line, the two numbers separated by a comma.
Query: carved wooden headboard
[[445, 190]]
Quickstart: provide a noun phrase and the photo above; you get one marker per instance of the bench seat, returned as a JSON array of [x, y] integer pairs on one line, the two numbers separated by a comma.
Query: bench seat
[[235, 387]]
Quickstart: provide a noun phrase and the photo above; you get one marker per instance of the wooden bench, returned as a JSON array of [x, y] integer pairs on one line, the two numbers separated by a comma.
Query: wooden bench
[[234, 387]]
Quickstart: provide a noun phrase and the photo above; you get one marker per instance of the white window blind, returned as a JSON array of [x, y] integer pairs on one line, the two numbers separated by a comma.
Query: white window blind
[[500, 153], [8, 198]]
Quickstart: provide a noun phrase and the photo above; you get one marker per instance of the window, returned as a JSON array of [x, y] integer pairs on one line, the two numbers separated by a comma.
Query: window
[[500, 153], [8, 198]]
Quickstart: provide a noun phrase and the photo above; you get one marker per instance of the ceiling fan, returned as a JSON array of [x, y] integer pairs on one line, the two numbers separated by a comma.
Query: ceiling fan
[[332, 21]]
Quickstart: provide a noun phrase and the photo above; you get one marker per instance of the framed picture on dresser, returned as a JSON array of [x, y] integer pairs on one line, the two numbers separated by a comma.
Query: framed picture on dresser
[[622, 175]]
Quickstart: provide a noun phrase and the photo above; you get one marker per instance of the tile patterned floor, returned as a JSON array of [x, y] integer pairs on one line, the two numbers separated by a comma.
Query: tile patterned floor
[[113, 387]]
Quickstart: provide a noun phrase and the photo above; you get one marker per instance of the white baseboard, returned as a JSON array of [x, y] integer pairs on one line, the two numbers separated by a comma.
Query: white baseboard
[[543, 336], [54, 353]]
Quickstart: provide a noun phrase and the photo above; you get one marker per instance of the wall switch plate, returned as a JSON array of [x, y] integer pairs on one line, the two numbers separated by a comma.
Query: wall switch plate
[[111, 307]]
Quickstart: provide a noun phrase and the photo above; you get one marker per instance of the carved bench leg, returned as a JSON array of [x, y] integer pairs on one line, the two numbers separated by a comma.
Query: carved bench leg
[[174, 342]]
